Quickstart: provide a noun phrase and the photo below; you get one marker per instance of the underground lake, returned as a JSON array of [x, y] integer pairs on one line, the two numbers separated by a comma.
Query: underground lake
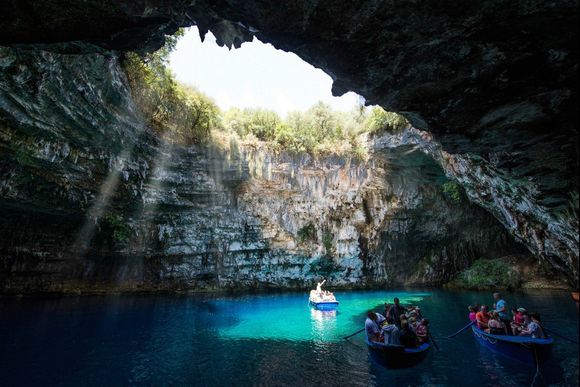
[[177, 177], [258, 339]]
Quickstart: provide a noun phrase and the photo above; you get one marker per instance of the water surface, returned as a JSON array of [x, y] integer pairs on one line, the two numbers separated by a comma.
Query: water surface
[[267, 339]]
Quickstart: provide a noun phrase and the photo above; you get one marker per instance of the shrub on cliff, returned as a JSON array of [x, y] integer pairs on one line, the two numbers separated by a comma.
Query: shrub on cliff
[[327, 239], [307, 233], [452, 190], [115, 228], [380, 120], [488, 274], [179, 113], [317, 131]]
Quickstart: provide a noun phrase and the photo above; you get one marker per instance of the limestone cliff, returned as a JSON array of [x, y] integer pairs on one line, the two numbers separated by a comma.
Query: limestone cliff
[[492, 85], [91, 200]]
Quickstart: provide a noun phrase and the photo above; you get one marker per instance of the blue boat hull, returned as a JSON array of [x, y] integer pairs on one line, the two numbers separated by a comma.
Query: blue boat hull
[[397, 356], [325, 305], [523, 349]]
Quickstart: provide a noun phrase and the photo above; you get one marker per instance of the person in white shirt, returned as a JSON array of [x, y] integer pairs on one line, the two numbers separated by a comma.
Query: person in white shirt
[[373, 326], [319, 287]]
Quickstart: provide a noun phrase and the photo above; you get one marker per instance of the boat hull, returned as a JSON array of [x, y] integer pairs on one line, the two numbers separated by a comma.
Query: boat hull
[[330, 305], [397, 356], [523, 349]]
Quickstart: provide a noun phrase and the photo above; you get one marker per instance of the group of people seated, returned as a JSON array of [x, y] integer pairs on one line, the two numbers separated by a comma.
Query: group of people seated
[[320, 295], [398, 326], [499, 322]]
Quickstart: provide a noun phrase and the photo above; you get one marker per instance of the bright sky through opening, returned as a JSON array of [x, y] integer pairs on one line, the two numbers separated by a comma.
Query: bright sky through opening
[[255, 75]]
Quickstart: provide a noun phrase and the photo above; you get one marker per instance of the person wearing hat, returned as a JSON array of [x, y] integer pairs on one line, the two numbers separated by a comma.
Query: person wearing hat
[[518, 318]]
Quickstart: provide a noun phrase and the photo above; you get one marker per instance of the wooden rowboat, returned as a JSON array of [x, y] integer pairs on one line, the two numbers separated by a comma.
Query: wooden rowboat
[[524, 349], [397, 356]]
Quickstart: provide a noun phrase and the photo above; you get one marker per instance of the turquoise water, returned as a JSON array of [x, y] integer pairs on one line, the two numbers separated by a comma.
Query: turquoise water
[[288, 316], [265, 339]]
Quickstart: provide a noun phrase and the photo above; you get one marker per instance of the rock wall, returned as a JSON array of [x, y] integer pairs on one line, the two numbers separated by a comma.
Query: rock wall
[[91, 200], [495, 82]]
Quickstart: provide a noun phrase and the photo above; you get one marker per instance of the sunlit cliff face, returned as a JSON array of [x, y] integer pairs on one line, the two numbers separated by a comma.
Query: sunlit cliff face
[[96, 202], [495, 84]]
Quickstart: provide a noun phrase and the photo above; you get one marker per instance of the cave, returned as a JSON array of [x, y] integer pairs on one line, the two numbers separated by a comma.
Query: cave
[[93, 201], [490, 101]]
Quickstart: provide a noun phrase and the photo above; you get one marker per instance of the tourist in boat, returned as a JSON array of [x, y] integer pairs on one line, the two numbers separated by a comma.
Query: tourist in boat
[[408, 338], [412, 321], [517, 319], [502, 311], [472, 313], [395, 313], [533, 329], [386, 312], [482, 317], [391, 334], [495, 325], [422, 331], [413, 311], [319, 287], [412, 315], [525, 322], [373, 327]]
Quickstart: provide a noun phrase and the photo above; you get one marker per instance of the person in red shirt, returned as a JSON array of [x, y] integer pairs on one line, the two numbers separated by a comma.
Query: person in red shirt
[[518, 318], [482, 317]]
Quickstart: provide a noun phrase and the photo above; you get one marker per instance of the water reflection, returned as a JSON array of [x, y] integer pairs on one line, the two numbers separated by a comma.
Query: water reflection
[[323, 322]]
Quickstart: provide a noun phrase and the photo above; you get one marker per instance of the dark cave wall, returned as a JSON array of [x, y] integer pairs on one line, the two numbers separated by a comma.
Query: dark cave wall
[[494, 82]]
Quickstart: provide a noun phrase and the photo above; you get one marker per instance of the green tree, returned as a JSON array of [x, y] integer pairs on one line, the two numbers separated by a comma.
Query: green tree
[[321, 120], [263, 123], [380, 120], [179, 113]]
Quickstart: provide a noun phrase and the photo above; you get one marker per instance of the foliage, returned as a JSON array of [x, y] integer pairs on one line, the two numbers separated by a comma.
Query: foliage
[[327, 239], [319, 130], [179, 113], [307, 233], [489, 274], [116, 228], [381, 120], [160, 57], [184, 115], [452, 190]]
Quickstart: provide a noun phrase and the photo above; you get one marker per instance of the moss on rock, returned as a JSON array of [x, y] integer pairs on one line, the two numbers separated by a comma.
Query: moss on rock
[[488, 274]]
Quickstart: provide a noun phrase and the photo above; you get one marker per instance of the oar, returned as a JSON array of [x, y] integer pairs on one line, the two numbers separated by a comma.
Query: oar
[[356, 333], [561, 336], [461, 330], [433, 340]]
